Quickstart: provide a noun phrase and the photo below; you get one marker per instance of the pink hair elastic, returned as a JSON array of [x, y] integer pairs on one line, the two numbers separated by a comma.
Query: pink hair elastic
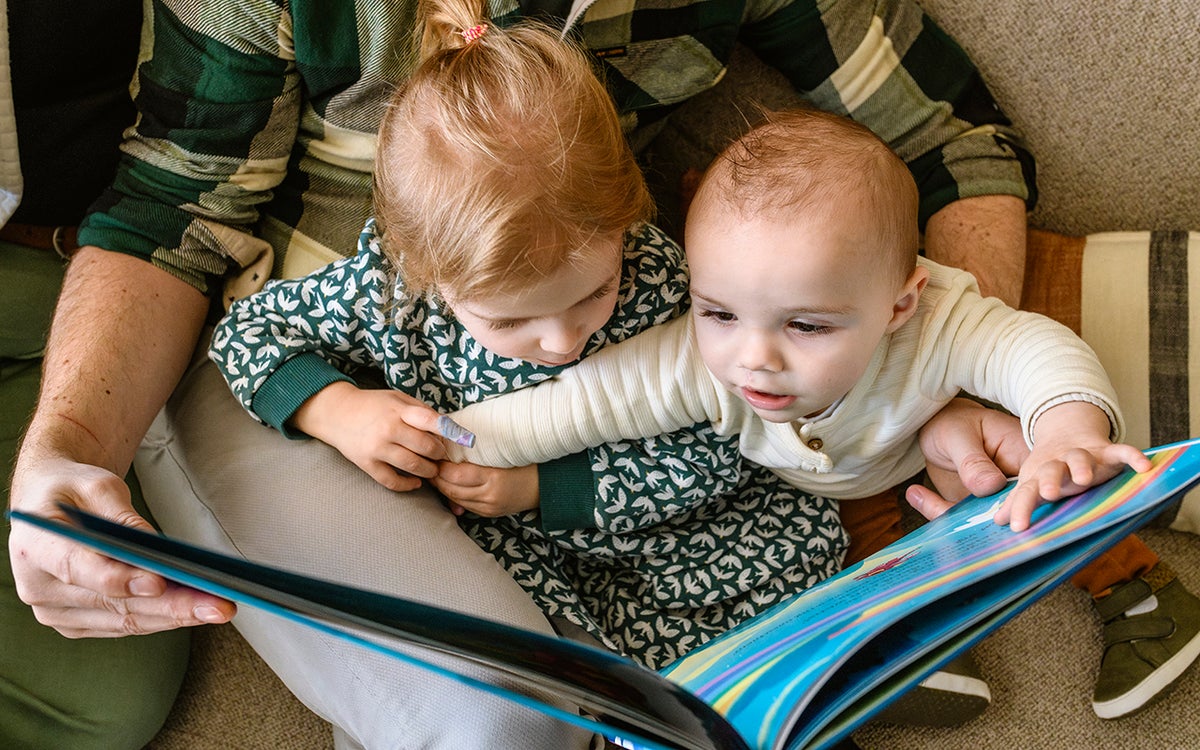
[[474, 32]]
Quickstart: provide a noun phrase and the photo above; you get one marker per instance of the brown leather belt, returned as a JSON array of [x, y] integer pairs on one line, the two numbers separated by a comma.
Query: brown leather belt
[[60, 240]]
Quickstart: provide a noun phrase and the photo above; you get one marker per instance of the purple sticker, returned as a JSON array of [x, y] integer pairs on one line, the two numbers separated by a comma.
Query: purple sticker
[[451, 430]]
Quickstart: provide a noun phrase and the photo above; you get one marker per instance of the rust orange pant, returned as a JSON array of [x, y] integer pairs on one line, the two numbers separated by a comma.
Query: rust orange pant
[[874, 522]]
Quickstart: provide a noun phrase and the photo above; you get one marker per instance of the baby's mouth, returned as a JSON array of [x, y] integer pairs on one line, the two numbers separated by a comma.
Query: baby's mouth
[[766, 401]]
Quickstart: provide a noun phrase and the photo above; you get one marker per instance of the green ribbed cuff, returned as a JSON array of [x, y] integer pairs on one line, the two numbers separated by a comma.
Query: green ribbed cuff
[[567, 493], [296, 381]]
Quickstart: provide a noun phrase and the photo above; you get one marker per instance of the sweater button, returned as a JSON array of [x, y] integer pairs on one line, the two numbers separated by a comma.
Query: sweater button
[[816, 444]]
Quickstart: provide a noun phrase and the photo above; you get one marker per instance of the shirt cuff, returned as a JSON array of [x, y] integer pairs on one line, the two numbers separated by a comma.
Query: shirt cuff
[[1116, 425], [297, 380], [567, 493]]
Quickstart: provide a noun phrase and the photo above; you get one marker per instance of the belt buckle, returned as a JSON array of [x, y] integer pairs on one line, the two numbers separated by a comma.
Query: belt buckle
[[56, 241]]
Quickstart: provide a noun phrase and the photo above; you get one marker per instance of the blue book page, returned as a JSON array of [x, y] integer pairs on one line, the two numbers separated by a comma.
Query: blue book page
[[763, 674]]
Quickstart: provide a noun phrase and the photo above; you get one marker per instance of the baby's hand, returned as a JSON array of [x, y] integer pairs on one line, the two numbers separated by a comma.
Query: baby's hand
[[388, 434], [1071, 453], [487, 491]]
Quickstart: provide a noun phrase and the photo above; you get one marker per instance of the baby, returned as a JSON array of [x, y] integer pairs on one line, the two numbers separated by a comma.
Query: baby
[[818, 335]]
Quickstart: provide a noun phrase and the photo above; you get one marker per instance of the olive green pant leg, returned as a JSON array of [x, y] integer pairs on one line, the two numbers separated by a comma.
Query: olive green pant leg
[[57, 692]]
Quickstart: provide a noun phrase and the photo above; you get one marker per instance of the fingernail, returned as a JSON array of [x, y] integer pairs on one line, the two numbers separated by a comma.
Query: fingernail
[[208, 614], [144, 586]]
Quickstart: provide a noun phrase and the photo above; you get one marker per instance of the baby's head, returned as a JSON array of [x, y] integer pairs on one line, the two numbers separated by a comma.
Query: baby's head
[[505, 185], [802, 244]]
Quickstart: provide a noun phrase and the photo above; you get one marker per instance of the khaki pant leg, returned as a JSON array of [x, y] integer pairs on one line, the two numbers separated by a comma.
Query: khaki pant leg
[[215, 477]]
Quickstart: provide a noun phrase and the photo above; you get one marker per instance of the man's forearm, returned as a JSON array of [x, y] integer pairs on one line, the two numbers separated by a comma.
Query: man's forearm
[[122, 335], [986, 236]]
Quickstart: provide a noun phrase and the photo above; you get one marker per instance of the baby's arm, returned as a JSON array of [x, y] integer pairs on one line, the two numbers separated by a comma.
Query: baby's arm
[[1040, 370], [1070, 418], [647, 385]]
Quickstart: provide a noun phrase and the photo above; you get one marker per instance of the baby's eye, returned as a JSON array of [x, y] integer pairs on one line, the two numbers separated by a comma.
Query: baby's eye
[[802, 327], [503, 325], [720, 316]]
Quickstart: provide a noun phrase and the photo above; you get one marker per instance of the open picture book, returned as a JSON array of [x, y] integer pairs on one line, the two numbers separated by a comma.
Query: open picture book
[[803, 674]]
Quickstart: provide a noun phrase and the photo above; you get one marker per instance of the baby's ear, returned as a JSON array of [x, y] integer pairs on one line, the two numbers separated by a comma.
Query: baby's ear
[[910, 294]]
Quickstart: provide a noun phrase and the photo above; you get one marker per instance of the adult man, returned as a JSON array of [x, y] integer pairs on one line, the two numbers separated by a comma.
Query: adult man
[[67, 68], [252, 157]]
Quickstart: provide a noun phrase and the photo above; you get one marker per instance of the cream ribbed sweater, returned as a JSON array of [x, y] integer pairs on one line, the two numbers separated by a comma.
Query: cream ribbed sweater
[[656, 382]]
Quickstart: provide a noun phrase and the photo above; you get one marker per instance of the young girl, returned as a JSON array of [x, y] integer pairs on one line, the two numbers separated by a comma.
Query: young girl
[[511, 240]]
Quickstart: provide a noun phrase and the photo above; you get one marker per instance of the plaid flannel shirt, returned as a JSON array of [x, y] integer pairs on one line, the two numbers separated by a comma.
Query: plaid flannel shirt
[[252, 153]]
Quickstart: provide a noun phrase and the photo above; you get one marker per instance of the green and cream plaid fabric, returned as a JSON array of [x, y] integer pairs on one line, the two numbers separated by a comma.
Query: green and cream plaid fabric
[[254, 144]]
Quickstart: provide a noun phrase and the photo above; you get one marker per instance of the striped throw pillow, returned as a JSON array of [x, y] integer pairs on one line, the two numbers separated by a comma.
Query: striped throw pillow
[[1127, 295]]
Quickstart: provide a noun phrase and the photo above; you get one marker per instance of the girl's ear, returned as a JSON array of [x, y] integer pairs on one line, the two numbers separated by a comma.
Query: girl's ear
[[906, 303]]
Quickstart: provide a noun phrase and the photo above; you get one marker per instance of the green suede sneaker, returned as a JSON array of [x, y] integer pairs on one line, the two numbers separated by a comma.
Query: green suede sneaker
[[1151, 637], [951, 696]]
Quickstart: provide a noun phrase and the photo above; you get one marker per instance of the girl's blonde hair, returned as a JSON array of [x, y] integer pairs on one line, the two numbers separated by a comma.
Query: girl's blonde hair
[[501, 159]]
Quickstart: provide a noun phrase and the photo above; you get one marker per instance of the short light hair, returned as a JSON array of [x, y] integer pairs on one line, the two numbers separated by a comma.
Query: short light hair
[[810, 160], [500, 159]]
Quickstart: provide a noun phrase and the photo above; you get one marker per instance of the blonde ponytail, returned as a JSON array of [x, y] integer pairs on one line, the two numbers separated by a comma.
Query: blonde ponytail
[[501, 158], [445, 25]]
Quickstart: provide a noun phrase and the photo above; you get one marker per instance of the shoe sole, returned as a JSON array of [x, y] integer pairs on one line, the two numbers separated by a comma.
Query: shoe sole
[[1153, 687], [943, 699], [960, 684]]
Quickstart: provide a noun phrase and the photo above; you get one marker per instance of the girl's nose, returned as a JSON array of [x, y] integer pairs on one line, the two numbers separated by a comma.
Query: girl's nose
[[562, 337]]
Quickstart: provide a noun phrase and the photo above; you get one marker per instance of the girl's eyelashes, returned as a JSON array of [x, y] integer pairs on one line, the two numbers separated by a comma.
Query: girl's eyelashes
[[503, 325], [604, 291], [718, 316]]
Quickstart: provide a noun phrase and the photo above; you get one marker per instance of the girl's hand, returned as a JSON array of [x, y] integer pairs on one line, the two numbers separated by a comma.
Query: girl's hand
[[486, 490], [388, 434]]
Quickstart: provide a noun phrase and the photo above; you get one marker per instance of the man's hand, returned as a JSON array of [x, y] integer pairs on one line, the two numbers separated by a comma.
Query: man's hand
[[969, 450], [81, 593], [488, 491], [388, 434]]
